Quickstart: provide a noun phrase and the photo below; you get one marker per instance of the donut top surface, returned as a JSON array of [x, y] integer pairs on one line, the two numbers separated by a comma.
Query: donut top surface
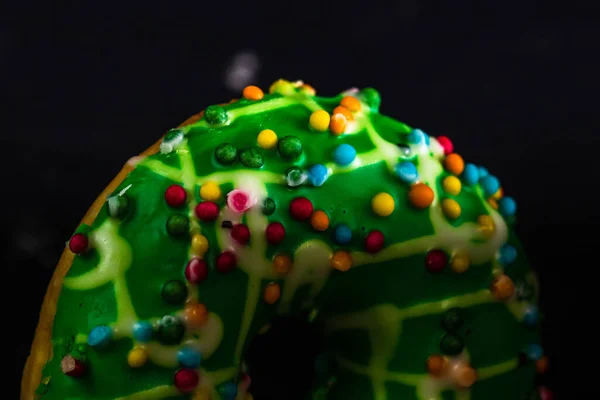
[[272, 204]]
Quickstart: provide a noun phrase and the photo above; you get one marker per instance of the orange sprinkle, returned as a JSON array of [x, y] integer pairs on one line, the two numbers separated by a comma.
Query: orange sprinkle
[[341, 260], [454, 163], [344, 111], [253, 93], [195, 314], [272, 293], [337, 125], [319, 221], [493, 203], [502, 288], [541, 365], [282, 264], [420, 195], [465, 376], [437, 365], [351, 103], [306, 88]]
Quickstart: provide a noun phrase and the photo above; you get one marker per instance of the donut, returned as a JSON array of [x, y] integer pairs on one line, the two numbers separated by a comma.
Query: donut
[[289, 203]]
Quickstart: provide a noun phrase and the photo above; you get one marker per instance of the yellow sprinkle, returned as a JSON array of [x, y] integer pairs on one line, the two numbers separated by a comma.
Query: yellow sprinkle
[[486, 225], [319, 120], [267, 139], [451, 185], [460, 262], [210, 191], [282, 86], [383, 204], [451, 208], [199, 244], [137, 357]]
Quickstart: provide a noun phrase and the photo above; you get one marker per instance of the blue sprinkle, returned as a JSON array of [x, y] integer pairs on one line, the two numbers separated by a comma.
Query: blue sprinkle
[[508, 254], [228, 391], [531, 316], [99, 336], [490, 184], [470, 174], [189, 357], [507, 206], [317, 174], [483, 172], [142, 331], [342, 234], [407, 171], [427, 139], [344, 154], [416, 136], [534, 352]]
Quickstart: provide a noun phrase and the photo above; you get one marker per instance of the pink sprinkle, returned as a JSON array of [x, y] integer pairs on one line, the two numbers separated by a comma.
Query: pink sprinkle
[[240, 201]]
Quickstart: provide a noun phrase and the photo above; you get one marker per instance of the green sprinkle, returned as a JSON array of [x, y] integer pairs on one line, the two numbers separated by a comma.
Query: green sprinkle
[[372, 98], [451, 344], [174, 292], [268, 206], [452, 319], [215, 115], [251, 158], [289, 147], [178, 225], [226, 153], [170, 330]]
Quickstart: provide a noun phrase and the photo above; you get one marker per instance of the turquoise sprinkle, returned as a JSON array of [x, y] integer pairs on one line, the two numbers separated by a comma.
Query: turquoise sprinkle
[[427, 139], [344, 154], [490, 184], [470, 174], [228, 391], [531, 316], [534, 352], [508, 254], [99, 336], [142, 331], [189, 357], [342, 234], [416, 136], [317, 174], [507, 206], [483, 172], [407, 171]]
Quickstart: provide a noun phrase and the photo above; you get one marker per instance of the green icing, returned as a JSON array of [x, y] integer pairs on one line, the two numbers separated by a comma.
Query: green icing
[[382, 318]]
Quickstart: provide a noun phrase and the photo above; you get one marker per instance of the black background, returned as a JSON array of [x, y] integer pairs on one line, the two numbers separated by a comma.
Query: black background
[[513, 83]]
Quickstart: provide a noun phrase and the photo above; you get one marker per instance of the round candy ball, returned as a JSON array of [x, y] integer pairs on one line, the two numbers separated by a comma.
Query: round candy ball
[[490, 184], [226, 261], [207, 210], [289, 147], [416, 136], [383, 204], [406, 171], [251, 158], [170, 330], [175, 196], [452, 319], [446, 144], [507, 206], [317, 174], [79, 243], [267, 139], [374, 241], [470, 174], [228, 391], [99, 336], [268, 206], [174, 292], [451, 344], [531, 316], [186, 380], [226, 153], [189, 357], [508, 254], [142, 331], [294, 176], [319, 120], [178, 225], [215, 114], [342, 234], [436, 260], [240, 233], [275, 233], [301, 208], [344, 154]]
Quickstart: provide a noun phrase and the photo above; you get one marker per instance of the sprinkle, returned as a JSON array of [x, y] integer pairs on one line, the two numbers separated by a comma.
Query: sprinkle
[[215, 115], [251, 158], [482, 172], [170, 330], [436, 260], [228, 391], [275, 233], [344, 111], [534, 351], [446, 144], [309, 90], [175, 196], [99, 336], [240, 201], [383, 204], [487, 226], [196, 270], [470, 174], [544, 393], [374, 241], [189, 357], [541, 365], [531, 316], [454, 164], [272, 293], [317, 174], [351, 103], [289, 147], [282, 264], [227, 225], [503, 288], [344, 154], [174, 291], [225, 154], [79, 243], [241, 234], [437, 365], [210, 190], [282, 86], [372, 98], [465, 376], [342, 234], [253, 93], [460, 262], [186, 380], [508, 254], [451, 344], [499, 194], [341, 260], [137, 357], [301, 208], [319, 120], [71, 366], [226, 261], [267, 139], [507, 206], [489, 184], [142, 331], [319, 221], [199, 244], [416, 136], [451, 185], [195, 314], [177, 225], [207, 211], [406, 171], [118, 205], [171, 140], [451, 208], [294, 176], [338, 123], [420, 195], [452, 319], [268, 206]]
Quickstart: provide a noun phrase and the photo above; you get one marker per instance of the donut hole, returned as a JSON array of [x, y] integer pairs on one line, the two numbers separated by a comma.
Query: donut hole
[[281, 361]]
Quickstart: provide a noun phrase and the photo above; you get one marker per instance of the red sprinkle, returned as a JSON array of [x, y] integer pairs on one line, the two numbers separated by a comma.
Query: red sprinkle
[[374, 241], [175, 196], [545, 393], [226, 262], [240, 233], [207, 211], [275, 233], [446, 144], [78, 243], [436, 260], [196, 270], [301, 208], [71, 366], [186, 380]]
